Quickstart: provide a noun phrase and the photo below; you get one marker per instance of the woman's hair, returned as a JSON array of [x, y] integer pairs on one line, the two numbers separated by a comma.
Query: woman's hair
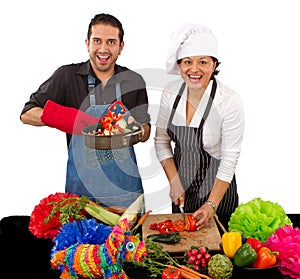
[[106, 19], [216, 71]]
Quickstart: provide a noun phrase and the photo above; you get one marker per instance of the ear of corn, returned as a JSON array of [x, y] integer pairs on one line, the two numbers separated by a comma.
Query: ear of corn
[[131, 212], [101, 214]]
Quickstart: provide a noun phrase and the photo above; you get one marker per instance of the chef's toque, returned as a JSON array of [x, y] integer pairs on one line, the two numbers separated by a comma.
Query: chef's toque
[[190, 40]]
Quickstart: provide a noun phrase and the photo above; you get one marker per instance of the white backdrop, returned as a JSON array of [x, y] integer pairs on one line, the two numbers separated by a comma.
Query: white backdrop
[[259, 49]]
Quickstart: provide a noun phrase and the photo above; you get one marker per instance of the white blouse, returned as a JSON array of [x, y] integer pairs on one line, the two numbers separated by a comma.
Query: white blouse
[[222, 131]]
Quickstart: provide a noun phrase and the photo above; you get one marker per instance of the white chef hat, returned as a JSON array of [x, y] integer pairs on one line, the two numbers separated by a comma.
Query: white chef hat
[[190, 40]]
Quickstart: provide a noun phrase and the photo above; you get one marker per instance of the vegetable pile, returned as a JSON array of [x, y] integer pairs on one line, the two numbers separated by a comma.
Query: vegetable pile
[[169, 226], [113, 121], [258, 219], [197, 257], [161, 264]]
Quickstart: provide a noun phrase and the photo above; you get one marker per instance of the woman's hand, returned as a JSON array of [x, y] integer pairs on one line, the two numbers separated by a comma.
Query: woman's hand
[[176, 190], [203, 214]]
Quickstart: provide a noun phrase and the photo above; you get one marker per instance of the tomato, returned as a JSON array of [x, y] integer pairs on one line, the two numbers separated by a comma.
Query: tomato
[[190, 223], [171, 273]]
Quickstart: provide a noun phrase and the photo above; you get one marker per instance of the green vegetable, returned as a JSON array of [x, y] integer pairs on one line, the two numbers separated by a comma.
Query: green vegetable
[[258, 219], [244, 256], [220, 267], [168, 238]]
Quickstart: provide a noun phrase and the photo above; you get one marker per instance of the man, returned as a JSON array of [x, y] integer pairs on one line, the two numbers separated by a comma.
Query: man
[[76, 96]]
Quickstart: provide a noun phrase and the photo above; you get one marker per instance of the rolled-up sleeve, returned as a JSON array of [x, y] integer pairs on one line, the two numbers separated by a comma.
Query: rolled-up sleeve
[[232, 136], [162, 140]]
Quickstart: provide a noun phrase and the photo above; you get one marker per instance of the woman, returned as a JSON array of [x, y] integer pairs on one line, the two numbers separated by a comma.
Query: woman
[[205, 121]]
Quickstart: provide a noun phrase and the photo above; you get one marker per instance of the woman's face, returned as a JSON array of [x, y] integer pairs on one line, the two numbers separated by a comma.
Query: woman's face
[[196, 71]]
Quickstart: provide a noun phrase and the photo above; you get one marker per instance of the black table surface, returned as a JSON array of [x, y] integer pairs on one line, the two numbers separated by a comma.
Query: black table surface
[[24, 256]]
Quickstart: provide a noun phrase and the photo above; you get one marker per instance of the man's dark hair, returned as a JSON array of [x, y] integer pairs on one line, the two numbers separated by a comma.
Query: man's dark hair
[[106, 19]]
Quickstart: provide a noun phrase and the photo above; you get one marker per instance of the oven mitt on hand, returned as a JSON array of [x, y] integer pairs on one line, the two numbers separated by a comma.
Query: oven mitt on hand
[[67, 119]]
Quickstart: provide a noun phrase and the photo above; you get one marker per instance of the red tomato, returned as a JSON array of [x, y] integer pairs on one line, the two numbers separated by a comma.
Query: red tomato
[[171, 273]]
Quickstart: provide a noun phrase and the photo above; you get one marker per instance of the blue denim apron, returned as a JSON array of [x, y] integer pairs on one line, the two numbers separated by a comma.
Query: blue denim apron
[[110, 177]]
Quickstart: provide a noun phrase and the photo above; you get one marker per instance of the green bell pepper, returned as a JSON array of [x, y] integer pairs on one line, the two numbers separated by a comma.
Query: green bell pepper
[[245, 255]]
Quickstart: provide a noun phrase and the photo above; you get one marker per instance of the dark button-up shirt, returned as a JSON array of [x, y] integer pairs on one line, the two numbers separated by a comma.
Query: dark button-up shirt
[[68, 86]]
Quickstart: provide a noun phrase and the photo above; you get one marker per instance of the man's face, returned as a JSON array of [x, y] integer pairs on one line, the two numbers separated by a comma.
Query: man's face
[[104, 47]]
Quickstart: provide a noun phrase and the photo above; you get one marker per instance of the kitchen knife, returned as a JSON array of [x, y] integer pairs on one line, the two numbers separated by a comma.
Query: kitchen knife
[[181, 208]]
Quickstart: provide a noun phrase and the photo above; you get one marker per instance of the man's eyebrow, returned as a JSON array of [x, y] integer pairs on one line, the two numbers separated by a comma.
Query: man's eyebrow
[[109, 39]]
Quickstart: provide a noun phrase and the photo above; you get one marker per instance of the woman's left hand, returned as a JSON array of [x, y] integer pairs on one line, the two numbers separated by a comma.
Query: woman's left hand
[[203, 214]]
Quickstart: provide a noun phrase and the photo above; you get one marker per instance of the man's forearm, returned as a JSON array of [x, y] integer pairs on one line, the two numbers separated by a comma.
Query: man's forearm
[[32, 117]]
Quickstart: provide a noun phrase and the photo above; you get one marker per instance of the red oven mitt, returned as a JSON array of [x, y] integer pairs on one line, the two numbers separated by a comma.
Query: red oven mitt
[[67, 119]]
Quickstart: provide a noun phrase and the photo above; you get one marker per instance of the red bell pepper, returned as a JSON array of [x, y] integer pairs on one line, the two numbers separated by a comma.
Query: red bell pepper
[[165, 226], [190, 223], [265, 258], [255, 243], [179, 226]]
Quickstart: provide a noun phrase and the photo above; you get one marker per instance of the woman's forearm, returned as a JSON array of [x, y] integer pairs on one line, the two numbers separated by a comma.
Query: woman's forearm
[[218, 191]]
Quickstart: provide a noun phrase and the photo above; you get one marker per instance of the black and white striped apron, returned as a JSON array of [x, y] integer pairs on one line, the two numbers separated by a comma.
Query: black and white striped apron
[[196, 168]]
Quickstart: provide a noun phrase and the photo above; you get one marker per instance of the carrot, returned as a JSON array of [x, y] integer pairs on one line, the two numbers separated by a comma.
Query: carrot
[[186, 273], [140, 221], [143, 218], [192, 271]]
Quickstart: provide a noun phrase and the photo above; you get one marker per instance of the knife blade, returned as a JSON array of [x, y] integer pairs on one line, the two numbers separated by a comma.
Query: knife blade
[[181, 208]]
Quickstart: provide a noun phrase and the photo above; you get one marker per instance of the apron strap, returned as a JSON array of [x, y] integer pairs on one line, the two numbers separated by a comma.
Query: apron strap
[[210, 101], [176, 103], [208, 107], [91, 84], [118, 91]]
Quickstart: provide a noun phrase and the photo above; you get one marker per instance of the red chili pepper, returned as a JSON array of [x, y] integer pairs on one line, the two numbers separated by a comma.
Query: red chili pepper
[[171, 273], [255, 243]]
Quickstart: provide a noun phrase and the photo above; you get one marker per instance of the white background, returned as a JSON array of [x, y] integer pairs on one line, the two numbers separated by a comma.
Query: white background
[[260, 55]]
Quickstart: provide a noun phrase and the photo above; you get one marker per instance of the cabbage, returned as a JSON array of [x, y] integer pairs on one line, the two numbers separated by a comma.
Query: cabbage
[[258, 219]]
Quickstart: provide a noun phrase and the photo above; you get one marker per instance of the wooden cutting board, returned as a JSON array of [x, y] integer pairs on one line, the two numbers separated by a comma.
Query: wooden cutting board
[[208, 236]]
